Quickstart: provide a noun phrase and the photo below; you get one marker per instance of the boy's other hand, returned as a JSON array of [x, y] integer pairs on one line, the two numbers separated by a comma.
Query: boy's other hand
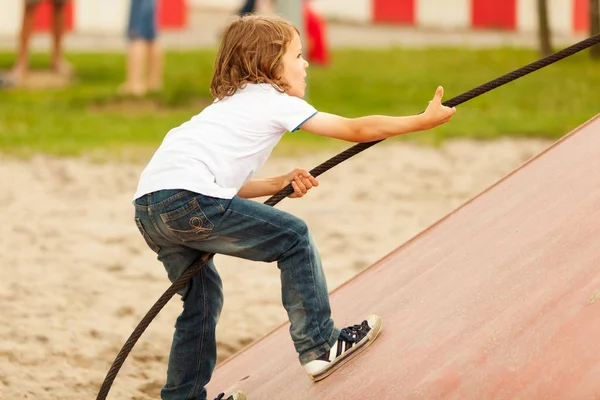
[[437, 113], [302, 181]]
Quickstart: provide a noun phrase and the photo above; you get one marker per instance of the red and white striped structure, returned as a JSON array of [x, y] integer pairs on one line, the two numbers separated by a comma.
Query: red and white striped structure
[[91, 16], [94, 16], [566, 16]]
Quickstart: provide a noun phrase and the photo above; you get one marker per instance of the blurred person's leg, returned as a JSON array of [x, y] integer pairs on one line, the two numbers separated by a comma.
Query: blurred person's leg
[[59, 63], [21, 66], [155, 67], [136, 52], [155, 53], [136, 68]]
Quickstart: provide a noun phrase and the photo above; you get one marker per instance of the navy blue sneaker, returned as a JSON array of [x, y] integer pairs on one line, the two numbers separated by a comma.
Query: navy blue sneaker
[[352, 340]]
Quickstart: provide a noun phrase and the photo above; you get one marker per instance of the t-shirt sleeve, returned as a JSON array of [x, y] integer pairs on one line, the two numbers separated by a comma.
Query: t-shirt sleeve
[[290, 112]]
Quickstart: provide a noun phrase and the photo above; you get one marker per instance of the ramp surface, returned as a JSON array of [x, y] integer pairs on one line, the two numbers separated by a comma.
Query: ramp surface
[[498, 300]]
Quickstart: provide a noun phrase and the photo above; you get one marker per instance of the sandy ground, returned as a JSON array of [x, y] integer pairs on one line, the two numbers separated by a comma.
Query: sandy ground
[[76, 277]]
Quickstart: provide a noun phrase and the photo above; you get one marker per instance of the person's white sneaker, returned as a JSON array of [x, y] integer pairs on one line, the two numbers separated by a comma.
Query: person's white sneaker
[[352, 340]]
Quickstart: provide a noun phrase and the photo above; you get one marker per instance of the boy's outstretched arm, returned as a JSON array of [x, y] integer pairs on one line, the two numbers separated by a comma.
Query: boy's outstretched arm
[[378, 127]]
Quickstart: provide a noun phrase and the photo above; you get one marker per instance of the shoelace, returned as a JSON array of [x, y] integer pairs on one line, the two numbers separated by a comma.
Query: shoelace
[[350, 333]]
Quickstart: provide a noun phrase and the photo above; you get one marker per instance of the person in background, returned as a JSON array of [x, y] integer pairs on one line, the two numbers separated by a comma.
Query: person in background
[[58, 62], [248, 7], [144, 54], [258, 7]]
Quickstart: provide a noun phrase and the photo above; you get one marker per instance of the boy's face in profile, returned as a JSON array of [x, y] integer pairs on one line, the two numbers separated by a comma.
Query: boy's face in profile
[[294, 68]]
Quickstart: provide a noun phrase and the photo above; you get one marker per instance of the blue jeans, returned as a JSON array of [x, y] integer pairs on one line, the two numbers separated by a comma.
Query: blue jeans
[[182, 226], [142, 20]]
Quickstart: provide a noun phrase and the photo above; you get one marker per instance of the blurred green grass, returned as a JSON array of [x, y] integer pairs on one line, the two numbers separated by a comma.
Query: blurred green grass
[[89, 118]]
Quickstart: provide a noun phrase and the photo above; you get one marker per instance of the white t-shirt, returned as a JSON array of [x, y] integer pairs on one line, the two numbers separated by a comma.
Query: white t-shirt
[[219, 150]]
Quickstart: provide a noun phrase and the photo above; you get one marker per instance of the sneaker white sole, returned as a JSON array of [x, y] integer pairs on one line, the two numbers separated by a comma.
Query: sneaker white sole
[[350, 354], [239, 396]]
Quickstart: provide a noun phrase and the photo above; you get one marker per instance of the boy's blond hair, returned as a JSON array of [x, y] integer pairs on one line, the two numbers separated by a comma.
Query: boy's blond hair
[[251, 52]]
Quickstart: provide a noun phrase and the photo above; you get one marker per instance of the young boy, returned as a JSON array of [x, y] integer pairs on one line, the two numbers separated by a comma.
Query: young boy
[[192, 199]]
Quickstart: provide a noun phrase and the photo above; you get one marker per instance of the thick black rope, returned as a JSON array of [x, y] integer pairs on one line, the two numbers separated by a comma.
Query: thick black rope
[[327, 165], [453, 102]]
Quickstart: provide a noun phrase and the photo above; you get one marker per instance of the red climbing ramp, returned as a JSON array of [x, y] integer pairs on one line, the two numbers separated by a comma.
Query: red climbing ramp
[[498, 300]]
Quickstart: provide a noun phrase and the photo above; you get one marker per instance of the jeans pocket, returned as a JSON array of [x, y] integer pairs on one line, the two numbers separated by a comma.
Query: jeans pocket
[[149, 241], [188, 223]]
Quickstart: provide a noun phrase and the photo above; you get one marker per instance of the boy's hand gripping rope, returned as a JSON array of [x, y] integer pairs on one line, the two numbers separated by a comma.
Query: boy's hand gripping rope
[[327, 165]]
